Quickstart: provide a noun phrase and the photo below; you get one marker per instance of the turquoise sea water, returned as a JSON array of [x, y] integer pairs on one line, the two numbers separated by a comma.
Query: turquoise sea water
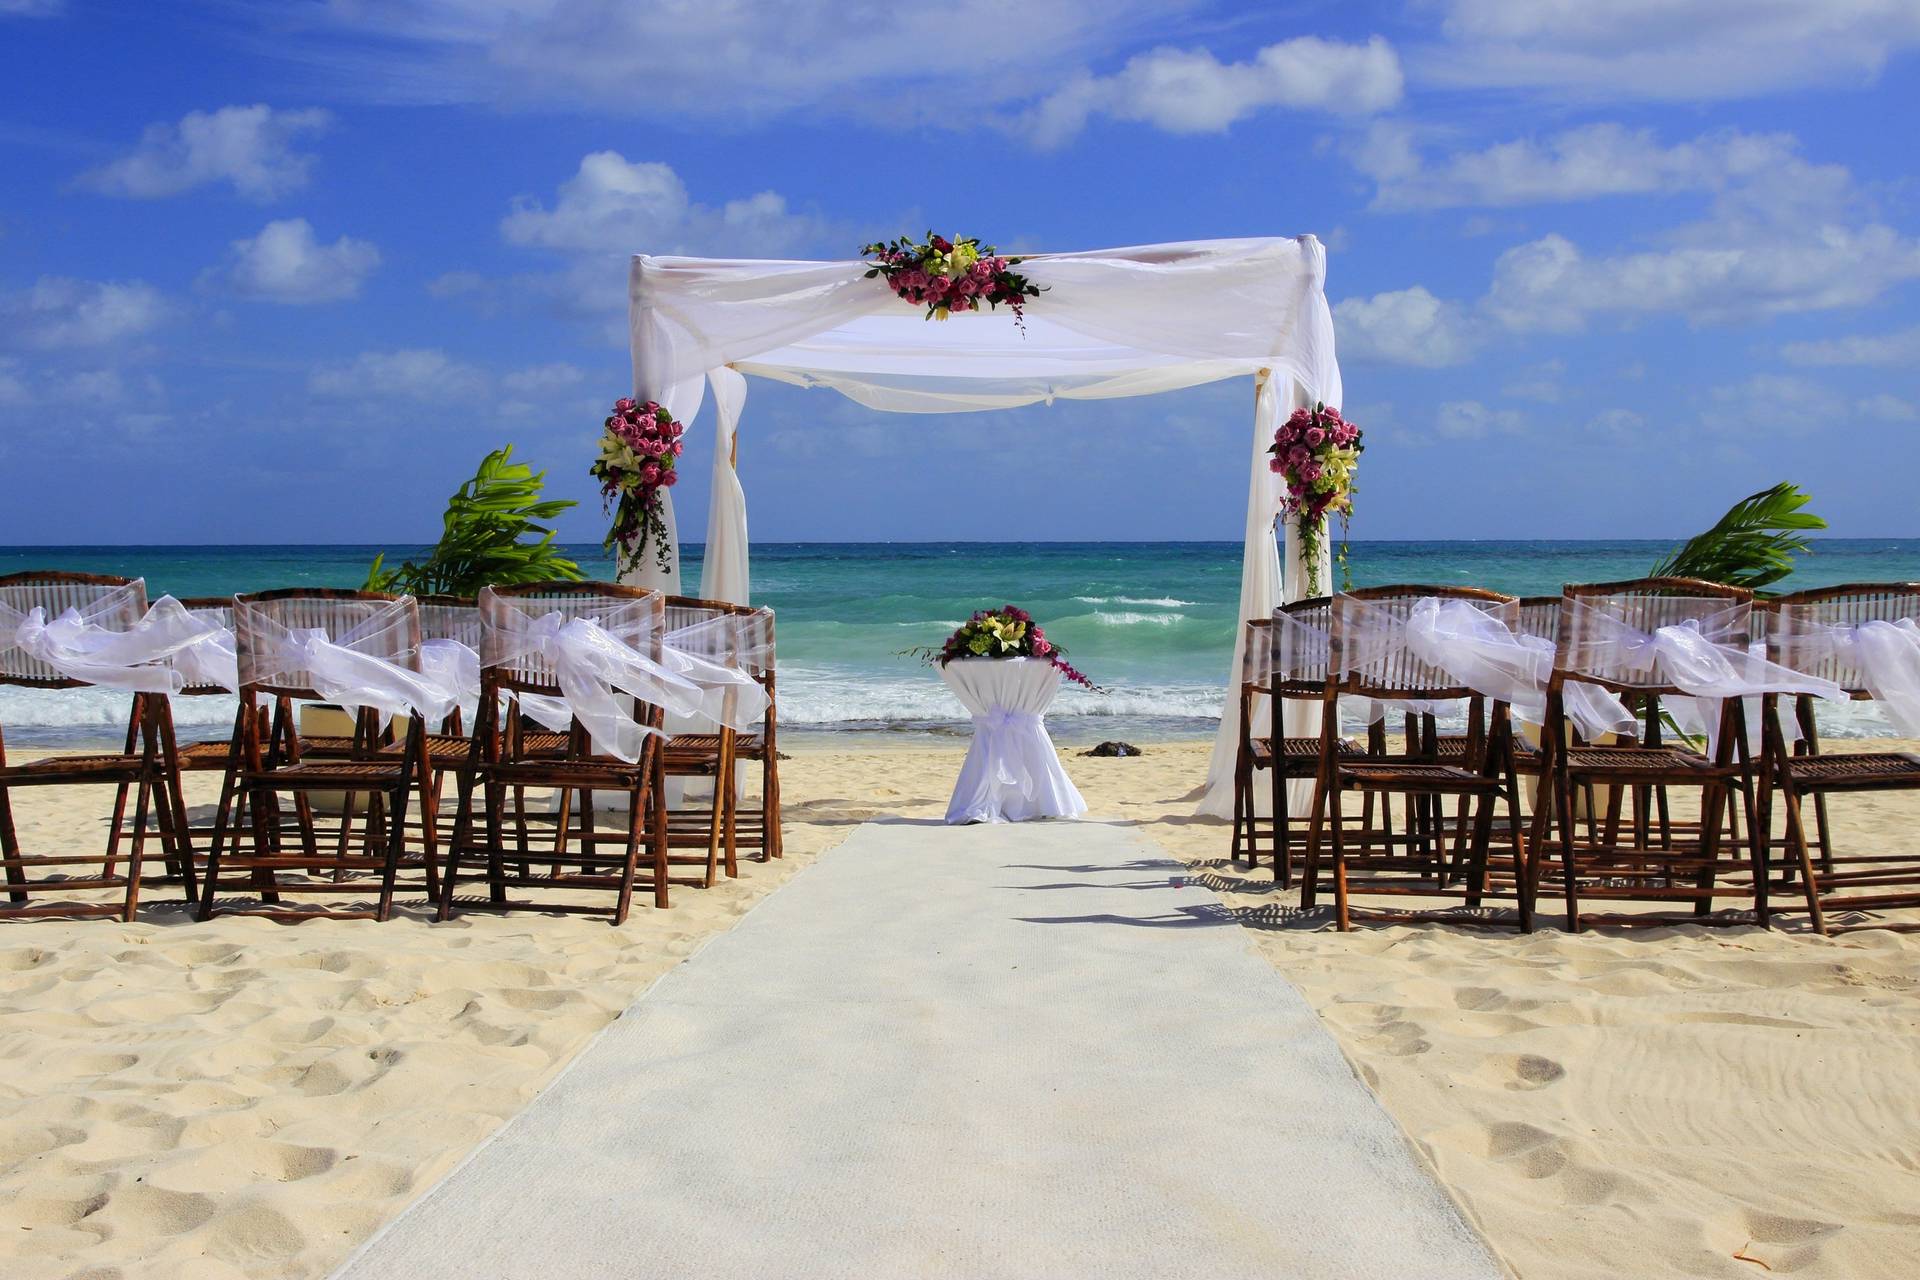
[[1152, 622]]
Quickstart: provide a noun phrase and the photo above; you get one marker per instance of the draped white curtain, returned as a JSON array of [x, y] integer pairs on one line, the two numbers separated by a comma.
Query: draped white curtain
[[1112, 322]]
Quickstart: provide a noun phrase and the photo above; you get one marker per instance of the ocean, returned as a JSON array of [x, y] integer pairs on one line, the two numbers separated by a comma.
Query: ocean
[[1152, 623]]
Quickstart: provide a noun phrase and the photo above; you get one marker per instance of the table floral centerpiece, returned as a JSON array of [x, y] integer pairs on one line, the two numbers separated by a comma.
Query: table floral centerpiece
[[1006, 632]]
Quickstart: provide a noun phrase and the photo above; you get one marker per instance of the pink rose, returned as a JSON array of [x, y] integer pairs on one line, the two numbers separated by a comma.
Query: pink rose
[[670, 479], [1315, 437]]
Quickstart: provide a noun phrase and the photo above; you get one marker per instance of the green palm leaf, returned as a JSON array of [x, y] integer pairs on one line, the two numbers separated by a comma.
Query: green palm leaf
[[1752, 546], [483, 534]]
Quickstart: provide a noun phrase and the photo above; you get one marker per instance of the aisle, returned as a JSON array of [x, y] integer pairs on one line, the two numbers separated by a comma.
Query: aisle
[[970, 1052]]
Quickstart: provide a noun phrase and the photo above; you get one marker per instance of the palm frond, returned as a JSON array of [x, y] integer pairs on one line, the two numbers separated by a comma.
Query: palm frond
[[482, 539], [1753, 545]]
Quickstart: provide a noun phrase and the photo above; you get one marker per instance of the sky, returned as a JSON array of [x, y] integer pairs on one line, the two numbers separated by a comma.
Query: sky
[[285, 271]]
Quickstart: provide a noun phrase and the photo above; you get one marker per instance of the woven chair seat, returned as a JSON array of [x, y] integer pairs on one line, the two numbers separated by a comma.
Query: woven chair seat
[[211, 754], [340, 775], [1297, 749], [1416, 774], [440, 746], [1628, 760], [1867, 769], [107, 768], [746, 746]]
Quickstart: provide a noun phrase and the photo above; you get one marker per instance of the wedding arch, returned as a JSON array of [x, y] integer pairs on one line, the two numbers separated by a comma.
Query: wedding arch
[[1111, 323]]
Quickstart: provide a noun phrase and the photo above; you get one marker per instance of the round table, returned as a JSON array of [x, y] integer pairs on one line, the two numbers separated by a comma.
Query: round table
[[1011, 773]]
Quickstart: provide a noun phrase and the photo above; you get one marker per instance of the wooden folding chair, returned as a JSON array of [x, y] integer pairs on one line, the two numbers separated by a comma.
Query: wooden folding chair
[[1418, 864], [143, 767], [1799, 635], [270, 761], [1651, 858], [501, 762], [712, 752]]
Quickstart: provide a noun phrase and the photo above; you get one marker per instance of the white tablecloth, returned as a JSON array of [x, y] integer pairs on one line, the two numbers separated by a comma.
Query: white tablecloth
[[1011, 772]]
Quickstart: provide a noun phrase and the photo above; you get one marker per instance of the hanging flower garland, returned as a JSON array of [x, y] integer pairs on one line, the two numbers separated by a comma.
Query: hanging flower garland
[[946, 276], [1316, 453], [638, 452]]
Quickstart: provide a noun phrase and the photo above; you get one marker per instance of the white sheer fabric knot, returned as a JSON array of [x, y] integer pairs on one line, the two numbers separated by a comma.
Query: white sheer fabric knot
[[1884, 655], [454, 665], [139, 658], [714, 656], [593, 667]]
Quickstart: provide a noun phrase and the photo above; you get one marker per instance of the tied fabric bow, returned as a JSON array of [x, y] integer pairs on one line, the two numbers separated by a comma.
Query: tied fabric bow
[[592, 665], [1003, 728], [141, 658], [714, 656], [1885, 655], [454, 666], [361, 664], [1707, 657], [1480, 651]]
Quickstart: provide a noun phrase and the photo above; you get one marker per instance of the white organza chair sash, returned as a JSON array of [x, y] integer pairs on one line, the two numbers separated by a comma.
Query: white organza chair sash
[[592, 661], [83, 643], [710, 655], [1299, 647], [358, 654], [212, 660], [1881, 657], [1704, 652]]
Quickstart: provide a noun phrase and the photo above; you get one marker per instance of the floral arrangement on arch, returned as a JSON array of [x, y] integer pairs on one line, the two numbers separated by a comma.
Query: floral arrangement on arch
[[638, 453], [946, 276], [1316, 452], [1006, 632]]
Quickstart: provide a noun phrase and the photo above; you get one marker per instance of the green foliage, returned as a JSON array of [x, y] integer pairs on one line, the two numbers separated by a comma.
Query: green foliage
[[1752, 546], [480, 544]]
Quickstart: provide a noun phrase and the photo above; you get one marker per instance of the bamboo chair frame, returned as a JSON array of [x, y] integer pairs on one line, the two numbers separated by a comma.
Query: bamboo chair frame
[[144, 767], [1831, 882], [270, 759], [1410, 866], [1656, 854], [508, 758]]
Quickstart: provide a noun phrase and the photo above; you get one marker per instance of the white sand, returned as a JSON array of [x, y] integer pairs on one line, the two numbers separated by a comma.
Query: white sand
[[247, 1099]]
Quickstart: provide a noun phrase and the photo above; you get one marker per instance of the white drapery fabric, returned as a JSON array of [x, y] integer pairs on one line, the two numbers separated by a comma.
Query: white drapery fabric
[[1883, 656], [80, 644], [1112, 322], [715, 657], [1011, 773], [370, 663], [1707, 655], [593, 661]]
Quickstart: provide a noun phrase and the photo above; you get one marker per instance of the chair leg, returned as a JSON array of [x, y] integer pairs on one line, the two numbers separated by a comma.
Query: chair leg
[[1339, 838], [656, 790]]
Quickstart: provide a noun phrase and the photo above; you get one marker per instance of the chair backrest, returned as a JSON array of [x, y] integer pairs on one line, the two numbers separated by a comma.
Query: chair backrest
[[748, 644], [114, 603], [635, 615], [380, 625], [1298, 658], [1796, 626], [219, 611], [1591, 612], [1538, 616], [450, 618], [1369, 661], [1256, 657]]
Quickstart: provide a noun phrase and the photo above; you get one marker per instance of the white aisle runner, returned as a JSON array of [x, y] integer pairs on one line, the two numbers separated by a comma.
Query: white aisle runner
[[952, 1052]]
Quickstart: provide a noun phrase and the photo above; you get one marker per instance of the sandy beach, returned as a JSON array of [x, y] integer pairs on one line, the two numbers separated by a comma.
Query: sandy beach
[[246, 1099]]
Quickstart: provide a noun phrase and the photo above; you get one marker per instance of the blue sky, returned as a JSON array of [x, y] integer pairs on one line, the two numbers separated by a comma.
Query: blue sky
[[284, 271]]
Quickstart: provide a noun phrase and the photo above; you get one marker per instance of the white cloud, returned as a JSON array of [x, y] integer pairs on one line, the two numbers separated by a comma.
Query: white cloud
[[1749, 272], [13, 385], [545, 377], [62, 312], [285, 263], [1471, 420], [1191, 91], [252, 148], [1665, 50], [909, 61], [1540, 382], [1888, 408], [1901, 348], [1770, 402], [1582, 164], [1406, 326], [614, 205], [32, 8], [1617, 423], [411, 374]]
